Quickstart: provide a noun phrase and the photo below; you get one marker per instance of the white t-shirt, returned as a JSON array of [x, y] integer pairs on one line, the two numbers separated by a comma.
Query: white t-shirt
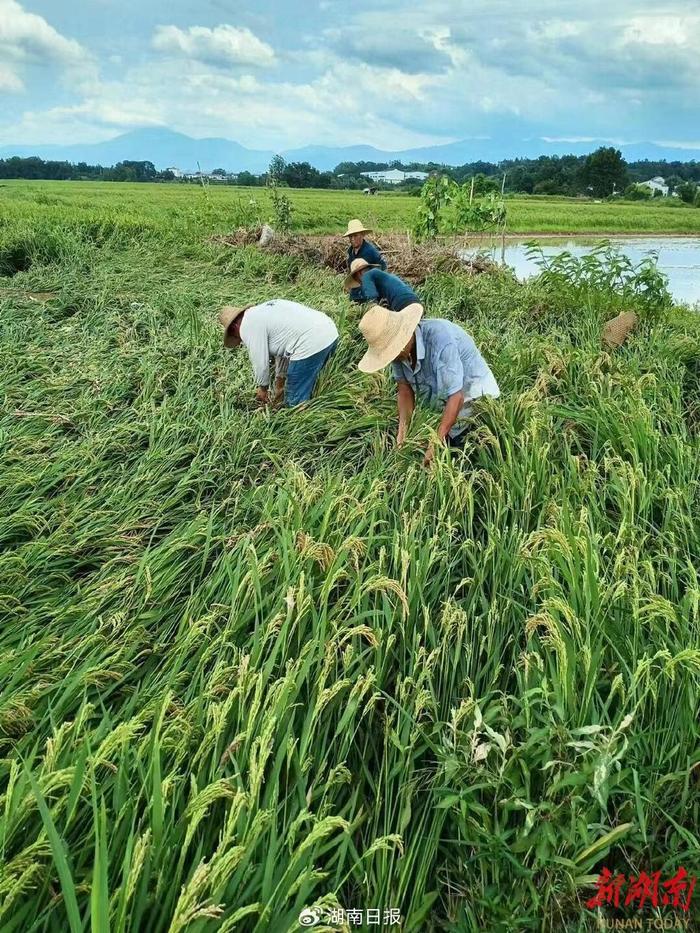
[[285, 330]]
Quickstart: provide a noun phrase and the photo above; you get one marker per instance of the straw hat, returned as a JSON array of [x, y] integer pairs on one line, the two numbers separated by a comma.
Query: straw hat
[[227, 316], [356, 226], [351, 281], [387, 333], [618, 328]]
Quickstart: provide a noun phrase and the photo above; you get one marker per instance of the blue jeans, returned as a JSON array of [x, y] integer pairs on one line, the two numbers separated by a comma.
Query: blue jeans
[[302, 375]]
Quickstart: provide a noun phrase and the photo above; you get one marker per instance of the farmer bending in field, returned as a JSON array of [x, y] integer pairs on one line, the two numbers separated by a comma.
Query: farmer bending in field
[[377, 285], [300, 339], [433, 358], [360, 248]]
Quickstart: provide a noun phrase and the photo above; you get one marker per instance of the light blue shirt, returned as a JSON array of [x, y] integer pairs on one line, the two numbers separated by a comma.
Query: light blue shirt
[[447, 361]]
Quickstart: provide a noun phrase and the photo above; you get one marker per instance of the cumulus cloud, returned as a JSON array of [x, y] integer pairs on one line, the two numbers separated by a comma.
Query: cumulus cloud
[[221, 46], [27, 37], [410, 51], [28, 41], [641, 52], [464, 68]]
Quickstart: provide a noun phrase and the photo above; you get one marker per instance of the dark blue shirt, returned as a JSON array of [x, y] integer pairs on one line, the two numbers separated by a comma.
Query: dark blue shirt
[[370, 253], [378, 285]]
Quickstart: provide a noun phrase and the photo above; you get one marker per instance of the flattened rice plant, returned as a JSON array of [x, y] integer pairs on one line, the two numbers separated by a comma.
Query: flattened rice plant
[[259, 662]]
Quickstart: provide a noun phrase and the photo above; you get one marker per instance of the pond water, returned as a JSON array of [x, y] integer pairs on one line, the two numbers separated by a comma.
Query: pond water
[[678, 257]]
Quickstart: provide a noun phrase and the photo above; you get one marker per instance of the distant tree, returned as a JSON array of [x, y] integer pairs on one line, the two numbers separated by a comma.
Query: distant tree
[[348, 182], [301, 175], [219, 172], [637, 193], [484, 184], [132, 171], [687, 191], [605, 171], [546, 186], [276, 169], [356, 168], [249, 180]]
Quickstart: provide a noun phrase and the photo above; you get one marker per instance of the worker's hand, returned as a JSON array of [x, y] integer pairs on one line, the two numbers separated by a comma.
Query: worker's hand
[[429, 456], [401, 435], [262, 396]]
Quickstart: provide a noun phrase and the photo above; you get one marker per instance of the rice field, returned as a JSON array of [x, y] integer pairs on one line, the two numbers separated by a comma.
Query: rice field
[[318, 211], [259, 663]]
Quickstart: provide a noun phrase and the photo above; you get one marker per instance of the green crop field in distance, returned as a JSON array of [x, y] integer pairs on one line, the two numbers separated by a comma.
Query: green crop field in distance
[[255, 662], [317, 211]]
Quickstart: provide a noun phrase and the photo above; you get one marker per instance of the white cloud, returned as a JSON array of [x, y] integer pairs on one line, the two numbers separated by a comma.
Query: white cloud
[[464, 68], [112, 108], [28, 40], [9, 79], [25, 37], [654, 29], [222, 45]]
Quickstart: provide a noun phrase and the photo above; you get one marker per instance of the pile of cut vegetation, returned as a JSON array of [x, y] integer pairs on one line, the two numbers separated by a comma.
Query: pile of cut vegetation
[[406, 258]]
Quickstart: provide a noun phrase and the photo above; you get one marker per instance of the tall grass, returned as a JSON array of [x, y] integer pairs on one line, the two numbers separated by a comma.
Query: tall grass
[[254, 662]]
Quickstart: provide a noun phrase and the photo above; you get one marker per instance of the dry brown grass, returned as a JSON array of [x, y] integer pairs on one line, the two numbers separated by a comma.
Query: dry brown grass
[[412, 261]]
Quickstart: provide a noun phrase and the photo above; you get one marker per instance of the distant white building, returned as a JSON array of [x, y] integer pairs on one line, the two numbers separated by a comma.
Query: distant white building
[[657, 184], [394, 176], [209, 176], [178, 173]]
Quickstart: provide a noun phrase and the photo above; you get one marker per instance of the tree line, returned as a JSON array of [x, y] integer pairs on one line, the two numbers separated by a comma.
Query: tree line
[[35, 168], [601, 174]]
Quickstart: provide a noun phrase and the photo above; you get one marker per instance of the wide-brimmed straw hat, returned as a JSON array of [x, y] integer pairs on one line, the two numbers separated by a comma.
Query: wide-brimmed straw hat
[[618, 329], [356, 226], [227, 316], [387, 333], [357, 265]]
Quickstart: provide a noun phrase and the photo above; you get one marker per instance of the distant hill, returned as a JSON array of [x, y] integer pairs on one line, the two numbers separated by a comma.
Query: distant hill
[[163, 147], [167, 148]]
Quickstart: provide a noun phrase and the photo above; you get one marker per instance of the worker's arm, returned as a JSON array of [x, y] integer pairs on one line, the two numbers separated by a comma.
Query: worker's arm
[[356, 295], [453, 406], [256, 344], [406, 401]]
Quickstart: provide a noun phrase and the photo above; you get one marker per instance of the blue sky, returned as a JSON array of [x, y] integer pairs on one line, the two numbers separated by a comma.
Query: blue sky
[[393, 73]]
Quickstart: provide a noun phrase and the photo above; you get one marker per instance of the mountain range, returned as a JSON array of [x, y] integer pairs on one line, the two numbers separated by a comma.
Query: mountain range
[[167, 148]]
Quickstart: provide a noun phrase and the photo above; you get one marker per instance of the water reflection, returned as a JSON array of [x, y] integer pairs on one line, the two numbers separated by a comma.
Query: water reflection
[[678, 257]]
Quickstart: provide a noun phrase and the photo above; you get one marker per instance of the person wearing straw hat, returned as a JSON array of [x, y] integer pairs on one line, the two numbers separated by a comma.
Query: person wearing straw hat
[[361, 248], [300, 339], [433, 359], [379, 286]]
